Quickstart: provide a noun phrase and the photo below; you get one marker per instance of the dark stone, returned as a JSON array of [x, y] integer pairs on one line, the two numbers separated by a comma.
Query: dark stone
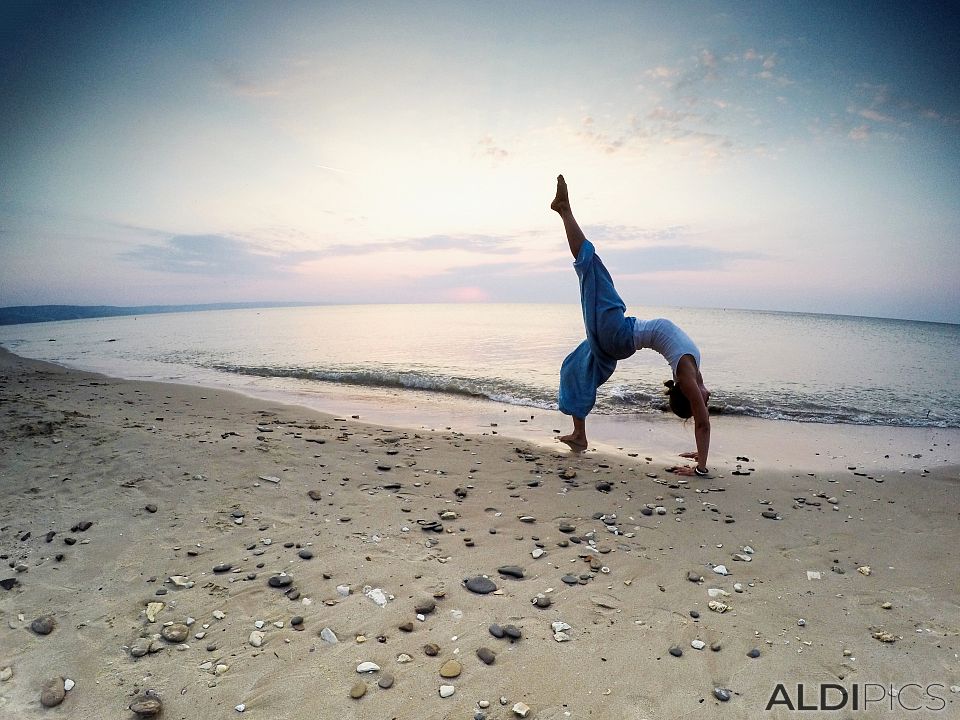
[[753, 653], [496, 631], [43, 625], [646, 511], [566, 527], [770, 515], [280, 581], [542, 602], [604, 486], [49, 536], [570, 579], [694, 614], [84, 526], [511, 571], [385, 681], [675, 651], [406, 627], [296, 620], [480, 585], [721, 694], [512, 632], [222, 568], [315, 495], [146, 705], [70, 540], [305, 554], [150, 508], [9, 583], [487, 655], [431, 649]]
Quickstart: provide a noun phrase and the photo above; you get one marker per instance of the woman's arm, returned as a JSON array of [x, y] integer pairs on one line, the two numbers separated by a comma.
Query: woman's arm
[[689, 380]]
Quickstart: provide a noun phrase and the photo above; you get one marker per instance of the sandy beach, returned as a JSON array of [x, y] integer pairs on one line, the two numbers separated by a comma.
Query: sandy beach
[[233, 554]]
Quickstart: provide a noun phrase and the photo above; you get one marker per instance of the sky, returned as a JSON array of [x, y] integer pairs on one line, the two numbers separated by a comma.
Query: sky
[[797, 156]]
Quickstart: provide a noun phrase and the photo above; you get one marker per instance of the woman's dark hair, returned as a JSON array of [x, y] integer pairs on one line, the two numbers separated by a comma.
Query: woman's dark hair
[[678, 401]]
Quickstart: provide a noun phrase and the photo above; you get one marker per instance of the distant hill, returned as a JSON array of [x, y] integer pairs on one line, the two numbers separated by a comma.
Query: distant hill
[[50, 313]]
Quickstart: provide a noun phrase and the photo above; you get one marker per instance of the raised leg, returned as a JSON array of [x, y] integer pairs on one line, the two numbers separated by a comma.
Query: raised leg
[[561, 205]]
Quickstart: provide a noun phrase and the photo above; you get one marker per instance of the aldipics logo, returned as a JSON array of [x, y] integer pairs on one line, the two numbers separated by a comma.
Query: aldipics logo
[[910, 697]]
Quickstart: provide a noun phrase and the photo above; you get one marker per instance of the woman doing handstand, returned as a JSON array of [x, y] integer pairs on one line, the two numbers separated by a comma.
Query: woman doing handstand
[[612, 337]]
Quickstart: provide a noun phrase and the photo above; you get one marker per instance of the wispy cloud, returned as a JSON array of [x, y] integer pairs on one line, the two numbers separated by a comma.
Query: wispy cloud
[[483, 244], [488, 147], [215, 256]]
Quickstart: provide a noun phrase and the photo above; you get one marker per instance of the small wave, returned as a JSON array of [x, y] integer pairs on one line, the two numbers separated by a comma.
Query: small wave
[[615, 400], [501, 392]]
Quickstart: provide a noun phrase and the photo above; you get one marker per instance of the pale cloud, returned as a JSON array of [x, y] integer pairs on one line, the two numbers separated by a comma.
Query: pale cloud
[[488, 147], [215, 255], [662, 72], [483, 244], [874, 115], [859, 133]]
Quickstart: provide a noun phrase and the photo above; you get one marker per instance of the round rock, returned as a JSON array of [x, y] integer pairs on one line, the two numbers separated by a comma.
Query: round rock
[[450, 669], [721, 694], [146, 705], [754, 653], [280, 581], [385, 681], [480, 585], [431, 649], [487, 655], [176, 633], [43, 625], [52, 692], [358, 690], [496, 631], [675, 651]]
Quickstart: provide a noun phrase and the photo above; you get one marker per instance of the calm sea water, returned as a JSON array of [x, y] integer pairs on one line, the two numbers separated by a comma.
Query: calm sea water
[[808, 368]]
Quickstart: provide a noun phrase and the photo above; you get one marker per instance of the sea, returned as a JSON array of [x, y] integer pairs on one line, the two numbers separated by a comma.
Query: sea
[[799, 367]]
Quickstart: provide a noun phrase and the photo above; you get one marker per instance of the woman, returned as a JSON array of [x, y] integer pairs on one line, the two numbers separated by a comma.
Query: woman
[[612, 337]]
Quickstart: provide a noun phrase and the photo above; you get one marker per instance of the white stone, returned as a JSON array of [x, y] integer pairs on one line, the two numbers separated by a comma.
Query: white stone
[[218, 614], [537, 552], [6, 673], [698, 644], [447, 690], [256, 638], [69, 685], [813, 575], [721, 570], [717, 606], [521, 710], [343, 590], [560, 626], [403, 658], [366, 667], [737, 587], [717, 592], [377, 595], [259, 624], [240, 708], [748, 550], [221, 669], [561, 637], [660, 510], [327, 635]]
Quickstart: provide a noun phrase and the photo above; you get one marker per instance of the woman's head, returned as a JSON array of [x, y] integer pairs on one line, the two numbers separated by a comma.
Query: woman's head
[[679, 403]]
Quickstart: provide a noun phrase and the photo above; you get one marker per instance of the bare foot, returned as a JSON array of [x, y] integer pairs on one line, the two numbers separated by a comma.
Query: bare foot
[[684, 470], [689, 455], [561, 203], [577, 443]]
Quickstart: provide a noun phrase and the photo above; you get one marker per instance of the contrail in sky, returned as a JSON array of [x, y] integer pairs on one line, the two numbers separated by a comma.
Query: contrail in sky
[[333, 169]]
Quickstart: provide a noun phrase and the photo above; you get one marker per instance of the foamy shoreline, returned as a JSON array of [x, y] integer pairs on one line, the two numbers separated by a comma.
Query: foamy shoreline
[[77, 447]]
